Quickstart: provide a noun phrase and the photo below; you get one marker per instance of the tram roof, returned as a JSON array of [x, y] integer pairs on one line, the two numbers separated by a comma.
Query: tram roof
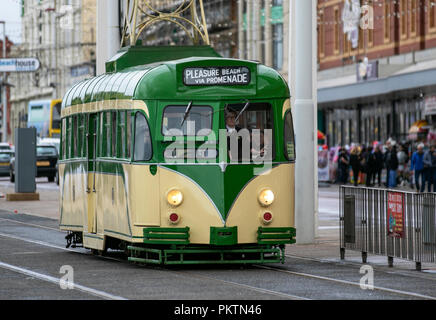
[[163, 80]]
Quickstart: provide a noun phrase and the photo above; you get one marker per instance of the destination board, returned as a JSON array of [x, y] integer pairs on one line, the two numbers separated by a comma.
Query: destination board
[[216, 76]]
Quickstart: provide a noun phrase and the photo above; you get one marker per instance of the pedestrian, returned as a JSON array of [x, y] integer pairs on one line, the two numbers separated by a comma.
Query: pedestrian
[[429, 164], [355, 163], [433, 168], [402, 163], [363, 164], [379, 164], [392, 165], [370, 166], [343, 164], [417, 166]]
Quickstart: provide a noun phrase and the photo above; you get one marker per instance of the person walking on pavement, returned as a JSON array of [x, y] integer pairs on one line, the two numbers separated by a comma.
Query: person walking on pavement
[[402, 164], [433, 167], [343, 164], [355, 163], [378, 164], [392, 165], [428, 168], [370, 167], [417, 166]]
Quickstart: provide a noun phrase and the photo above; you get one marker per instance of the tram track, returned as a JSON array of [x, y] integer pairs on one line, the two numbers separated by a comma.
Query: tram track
[[228, 282]]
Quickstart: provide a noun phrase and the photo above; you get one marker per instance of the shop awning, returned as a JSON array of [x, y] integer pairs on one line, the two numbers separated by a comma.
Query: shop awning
[[321, 136], [418, 126]]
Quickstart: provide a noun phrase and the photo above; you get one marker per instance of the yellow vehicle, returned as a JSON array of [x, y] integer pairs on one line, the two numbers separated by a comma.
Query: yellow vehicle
[[144, 165], [44, 115]]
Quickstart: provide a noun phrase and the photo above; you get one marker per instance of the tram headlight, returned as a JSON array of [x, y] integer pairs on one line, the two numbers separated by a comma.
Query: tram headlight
[[174, 197], [266, 197]]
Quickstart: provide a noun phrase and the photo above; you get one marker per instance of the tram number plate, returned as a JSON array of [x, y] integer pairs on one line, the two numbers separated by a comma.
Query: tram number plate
[[43, 163], [216, 76]]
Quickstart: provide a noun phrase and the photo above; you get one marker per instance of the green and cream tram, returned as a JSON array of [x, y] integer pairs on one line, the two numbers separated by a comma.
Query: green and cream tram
[[145, 167]]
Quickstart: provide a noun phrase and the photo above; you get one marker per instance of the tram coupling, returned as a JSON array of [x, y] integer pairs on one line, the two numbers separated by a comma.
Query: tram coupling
[[74, 238]]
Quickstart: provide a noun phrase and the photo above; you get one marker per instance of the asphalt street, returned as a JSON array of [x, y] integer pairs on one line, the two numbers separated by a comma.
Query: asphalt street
[[34, 261]]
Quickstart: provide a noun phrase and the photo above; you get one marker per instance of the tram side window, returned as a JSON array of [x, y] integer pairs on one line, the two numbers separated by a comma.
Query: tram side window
[[102, 135], [122, 134], [289, 137], [75, 141], [114, 134], [68, 150], [108, 134], [142, 149], [129, 133], [64, 133], [81, 136]]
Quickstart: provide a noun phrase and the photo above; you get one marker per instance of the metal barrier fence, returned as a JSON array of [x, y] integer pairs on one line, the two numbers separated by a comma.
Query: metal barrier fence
[[388, 222]]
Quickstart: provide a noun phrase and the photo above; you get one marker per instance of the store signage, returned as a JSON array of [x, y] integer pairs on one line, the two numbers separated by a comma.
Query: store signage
[[19, 64], [395, 218], [430, 105], [367, 70], [213, 76]]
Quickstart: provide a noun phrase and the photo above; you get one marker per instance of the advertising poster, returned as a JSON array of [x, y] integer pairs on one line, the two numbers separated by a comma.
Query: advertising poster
[[395, 219]]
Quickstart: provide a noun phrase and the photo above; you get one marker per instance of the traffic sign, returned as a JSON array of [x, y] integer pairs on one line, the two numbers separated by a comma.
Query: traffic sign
[[19, 64]]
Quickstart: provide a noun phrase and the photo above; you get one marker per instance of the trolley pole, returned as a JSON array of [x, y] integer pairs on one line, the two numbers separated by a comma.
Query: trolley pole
[[302, 40], [108, 34]]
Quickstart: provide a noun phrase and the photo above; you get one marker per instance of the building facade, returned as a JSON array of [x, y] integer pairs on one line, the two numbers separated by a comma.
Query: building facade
[[376, 68], [4, 83], [62, 35], [244, 29]]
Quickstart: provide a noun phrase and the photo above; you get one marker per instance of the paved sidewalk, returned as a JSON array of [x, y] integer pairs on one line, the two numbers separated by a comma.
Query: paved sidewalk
[[47, 206]]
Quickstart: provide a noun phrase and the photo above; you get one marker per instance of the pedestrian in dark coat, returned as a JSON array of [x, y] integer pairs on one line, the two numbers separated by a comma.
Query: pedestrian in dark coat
[[355, 163], [392, 166], [378, 164], [343, 163], [370, 167]]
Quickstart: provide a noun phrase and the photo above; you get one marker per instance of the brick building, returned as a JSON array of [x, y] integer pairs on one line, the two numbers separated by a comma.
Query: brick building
[[374, 83]]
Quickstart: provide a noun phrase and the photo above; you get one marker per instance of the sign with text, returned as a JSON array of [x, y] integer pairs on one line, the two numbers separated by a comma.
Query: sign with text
[[430, 105], [213, 76], [19, 64], [395, 218]]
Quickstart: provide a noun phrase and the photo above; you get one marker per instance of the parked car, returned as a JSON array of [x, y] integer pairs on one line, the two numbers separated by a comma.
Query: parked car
[[46, 160], [5, 158], [4, 146]]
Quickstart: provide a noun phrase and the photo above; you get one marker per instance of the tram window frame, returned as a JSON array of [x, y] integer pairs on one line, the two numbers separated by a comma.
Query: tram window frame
[[63, 137], [102, 128], [82, 136], [74, 137], [68, 139], [147, 129], [129, 131], [107, 123], [121, 147], [237, 107], [183, 107], [285, 150], [114, 135]]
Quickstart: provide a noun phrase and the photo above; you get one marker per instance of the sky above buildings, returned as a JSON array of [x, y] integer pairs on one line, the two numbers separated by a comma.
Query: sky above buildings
[[10, 12]]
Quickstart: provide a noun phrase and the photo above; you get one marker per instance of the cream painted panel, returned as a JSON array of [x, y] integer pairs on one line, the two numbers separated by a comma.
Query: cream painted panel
[[246, 212], [196, 211]]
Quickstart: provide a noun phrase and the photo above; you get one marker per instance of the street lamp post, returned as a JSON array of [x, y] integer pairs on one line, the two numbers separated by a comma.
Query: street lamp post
[[302, 40]]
